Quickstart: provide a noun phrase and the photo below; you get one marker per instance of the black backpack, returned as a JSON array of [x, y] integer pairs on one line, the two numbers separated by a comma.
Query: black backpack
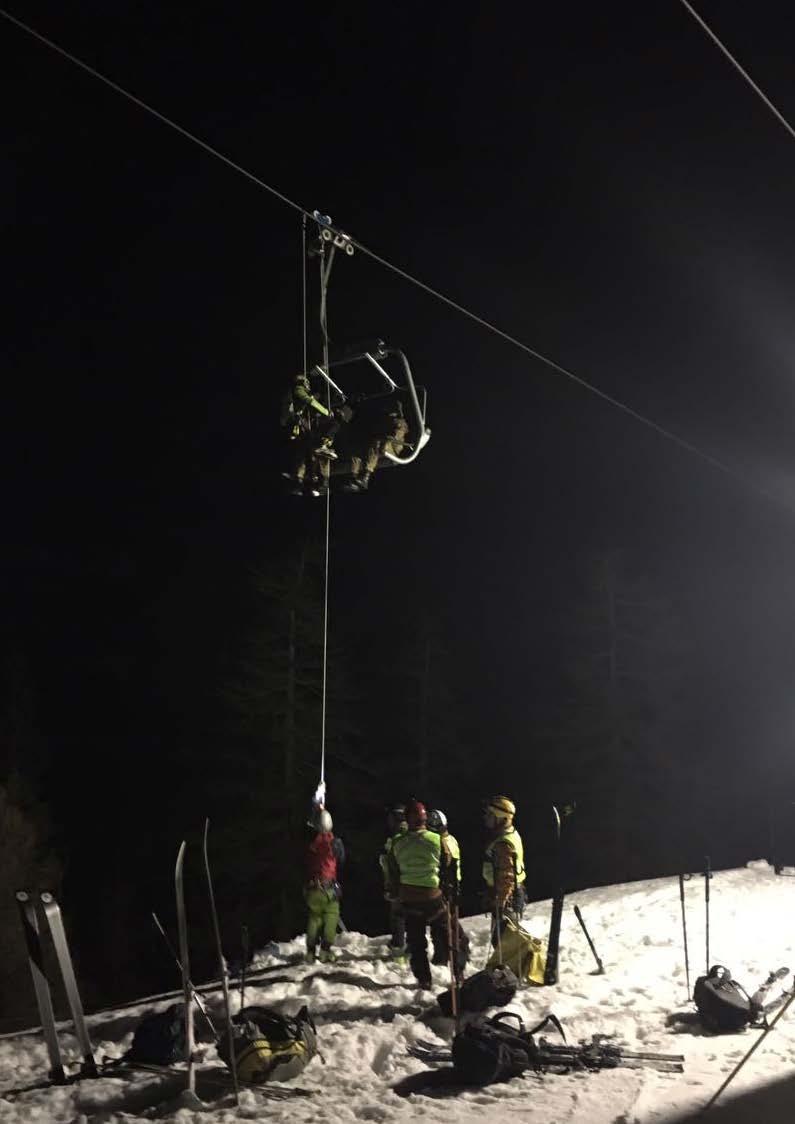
[[489, 1050], [159, 1038], [722, 1003], [493, 987]]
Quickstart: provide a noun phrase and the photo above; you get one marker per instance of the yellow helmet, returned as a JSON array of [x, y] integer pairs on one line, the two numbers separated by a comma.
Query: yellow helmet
[[501, 808]]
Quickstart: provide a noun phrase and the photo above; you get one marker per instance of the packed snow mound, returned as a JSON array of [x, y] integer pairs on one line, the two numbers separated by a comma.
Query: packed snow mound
[[369, 1012]]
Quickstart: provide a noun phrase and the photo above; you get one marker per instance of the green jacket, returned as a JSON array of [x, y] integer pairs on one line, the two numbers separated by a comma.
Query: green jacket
[[306, 398], [383, 858], [451, 844], [414, 859]]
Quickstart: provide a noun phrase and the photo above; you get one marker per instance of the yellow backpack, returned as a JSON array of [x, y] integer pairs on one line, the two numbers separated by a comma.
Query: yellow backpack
[[524, 954]]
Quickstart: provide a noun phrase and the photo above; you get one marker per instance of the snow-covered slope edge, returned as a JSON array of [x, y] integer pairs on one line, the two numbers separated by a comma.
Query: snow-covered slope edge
[[368, 1011]]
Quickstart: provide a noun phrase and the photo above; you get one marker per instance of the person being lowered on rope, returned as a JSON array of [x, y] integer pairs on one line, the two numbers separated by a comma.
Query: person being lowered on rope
[[322, 890], [417, 868], [437, 821], [388, 435], [503, 864], [396, 826]]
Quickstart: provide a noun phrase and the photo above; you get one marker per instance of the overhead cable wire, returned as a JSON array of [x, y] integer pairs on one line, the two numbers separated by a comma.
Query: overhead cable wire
[[154, 112], [398, 271], [757, 90]]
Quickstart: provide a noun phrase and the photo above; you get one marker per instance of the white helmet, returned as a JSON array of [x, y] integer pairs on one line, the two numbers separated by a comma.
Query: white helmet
[[322, 821], [437, 821]]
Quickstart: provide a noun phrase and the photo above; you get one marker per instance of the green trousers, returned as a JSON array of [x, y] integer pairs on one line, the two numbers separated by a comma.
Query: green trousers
[[324, 914]]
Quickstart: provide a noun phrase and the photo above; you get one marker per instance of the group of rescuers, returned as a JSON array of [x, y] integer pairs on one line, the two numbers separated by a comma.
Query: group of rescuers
[[313, 428], [421, 865]]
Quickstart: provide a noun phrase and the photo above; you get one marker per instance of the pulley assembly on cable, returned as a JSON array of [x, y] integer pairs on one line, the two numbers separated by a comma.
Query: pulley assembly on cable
[[377, 420]]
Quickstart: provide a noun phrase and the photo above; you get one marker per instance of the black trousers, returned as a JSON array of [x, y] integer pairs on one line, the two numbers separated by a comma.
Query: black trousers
[[420, 915]]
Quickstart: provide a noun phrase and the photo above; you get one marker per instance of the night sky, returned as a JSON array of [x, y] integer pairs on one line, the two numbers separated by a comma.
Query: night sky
[[595, 180]]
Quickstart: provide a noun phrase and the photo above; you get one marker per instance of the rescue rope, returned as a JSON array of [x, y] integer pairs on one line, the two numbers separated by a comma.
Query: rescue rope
[[668, 434], [779, 116], [324, 276]]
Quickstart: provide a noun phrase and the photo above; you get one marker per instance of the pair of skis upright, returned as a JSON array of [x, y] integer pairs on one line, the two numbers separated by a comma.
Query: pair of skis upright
[[189, 992], [26, 903]]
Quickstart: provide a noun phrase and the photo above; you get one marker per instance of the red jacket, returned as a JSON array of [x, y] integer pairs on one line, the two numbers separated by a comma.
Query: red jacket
[[321, 858]]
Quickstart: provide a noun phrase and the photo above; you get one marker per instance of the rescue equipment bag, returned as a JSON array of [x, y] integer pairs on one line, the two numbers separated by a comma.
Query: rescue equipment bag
[[524, 954], [722, 1003], [493, 987], [269, 1046], [490, 1050], [159, 1038]]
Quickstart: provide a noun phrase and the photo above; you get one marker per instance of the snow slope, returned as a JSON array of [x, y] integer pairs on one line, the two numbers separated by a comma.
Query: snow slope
[[368, 1011]]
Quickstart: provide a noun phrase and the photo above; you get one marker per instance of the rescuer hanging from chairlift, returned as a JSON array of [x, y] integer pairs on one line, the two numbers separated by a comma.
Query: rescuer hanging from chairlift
[[311, 427]]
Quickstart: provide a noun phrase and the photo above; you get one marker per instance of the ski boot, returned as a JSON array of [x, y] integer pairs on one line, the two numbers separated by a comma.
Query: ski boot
[[311, 955], [326, 956], [397, 955]]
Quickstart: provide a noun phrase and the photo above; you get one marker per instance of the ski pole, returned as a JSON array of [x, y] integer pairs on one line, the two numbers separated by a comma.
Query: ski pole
[[490, 943], [682, 878], [197, 999], [498, 922], [707, 876], [452, 940], [244, 950], [452, 962], [600, 971]]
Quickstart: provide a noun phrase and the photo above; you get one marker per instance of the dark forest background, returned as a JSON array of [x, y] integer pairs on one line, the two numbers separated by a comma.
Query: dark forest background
[[555, 601]]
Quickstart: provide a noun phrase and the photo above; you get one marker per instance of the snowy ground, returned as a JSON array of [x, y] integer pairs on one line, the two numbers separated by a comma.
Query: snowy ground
[[369, 1011]]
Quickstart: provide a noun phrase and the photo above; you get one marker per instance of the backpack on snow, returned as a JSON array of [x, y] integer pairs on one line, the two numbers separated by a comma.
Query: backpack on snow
[[268, 1045], [722, 1003], [159, 1038], [493, 987], [488, 1050], [524, 954]]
